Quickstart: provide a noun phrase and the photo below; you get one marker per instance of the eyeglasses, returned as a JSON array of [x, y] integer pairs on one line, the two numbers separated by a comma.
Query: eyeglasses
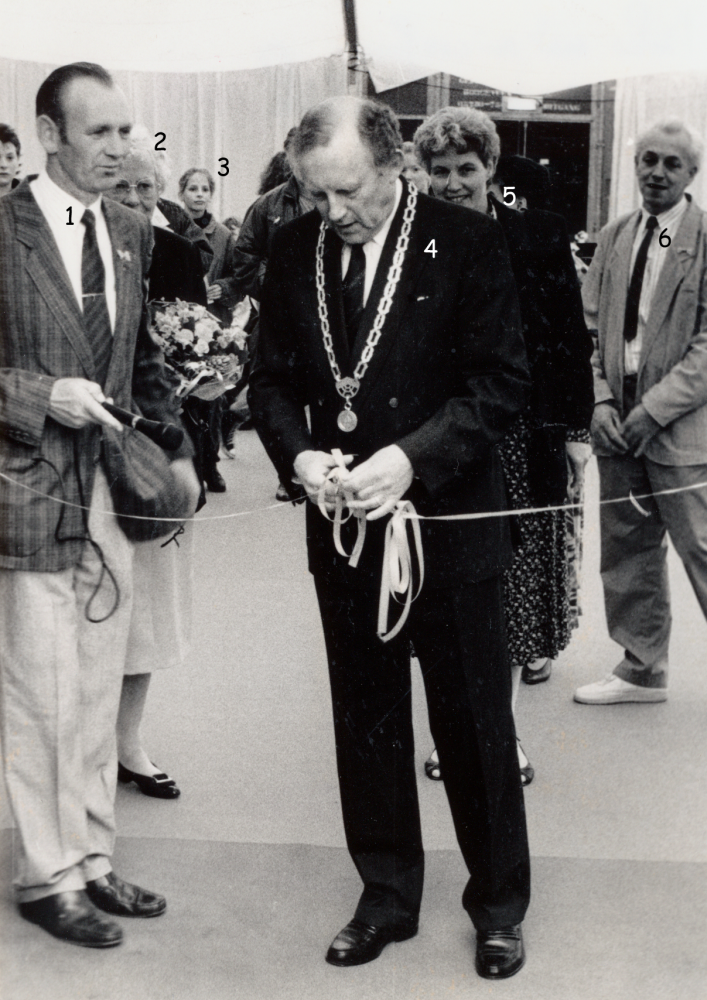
[[143, 189]]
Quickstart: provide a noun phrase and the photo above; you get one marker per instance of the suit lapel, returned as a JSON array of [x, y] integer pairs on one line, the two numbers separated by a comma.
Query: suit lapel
[[412, 264], [619, 267], [677, 260], [335, 301], [46, 268], [119, 238]]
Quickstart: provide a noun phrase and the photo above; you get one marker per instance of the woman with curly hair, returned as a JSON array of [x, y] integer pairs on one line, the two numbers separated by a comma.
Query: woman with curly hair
[[545, 452]]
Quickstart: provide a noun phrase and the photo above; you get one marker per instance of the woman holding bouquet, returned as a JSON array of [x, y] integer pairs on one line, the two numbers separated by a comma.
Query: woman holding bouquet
[[545, 452]]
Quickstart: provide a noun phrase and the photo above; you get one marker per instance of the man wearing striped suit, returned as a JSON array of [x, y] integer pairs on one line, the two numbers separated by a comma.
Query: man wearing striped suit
[[72, 332]]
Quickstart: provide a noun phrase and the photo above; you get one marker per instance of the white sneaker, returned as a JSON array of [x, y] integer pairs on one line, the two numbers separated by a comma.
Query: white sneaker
[[613, 690]]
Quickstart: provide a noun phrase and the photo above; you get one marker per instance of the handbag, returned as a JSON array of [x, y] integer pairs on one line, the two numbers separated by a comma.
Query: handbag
[[142, 485]]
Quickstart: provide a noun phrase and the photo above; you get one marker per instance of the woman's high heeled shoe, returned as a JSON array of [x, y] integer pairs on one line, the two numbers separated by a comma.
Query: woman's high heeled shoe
[[157, 786], [537, 676]]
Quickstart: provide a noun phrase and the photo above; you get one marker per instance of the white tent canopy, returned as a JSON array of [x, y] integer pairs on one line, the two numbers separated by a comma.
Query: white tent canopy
[[523, 46]]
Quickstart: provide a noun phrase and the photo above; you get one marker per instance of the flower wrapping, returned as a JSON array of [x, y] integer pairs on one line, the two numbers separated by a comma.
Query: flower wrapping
[[206, 358]]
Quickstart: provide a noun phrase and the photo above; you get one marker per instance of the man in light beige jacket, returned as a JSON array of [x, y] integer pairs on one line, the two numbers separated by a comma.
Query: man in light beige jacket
[[645, 297]]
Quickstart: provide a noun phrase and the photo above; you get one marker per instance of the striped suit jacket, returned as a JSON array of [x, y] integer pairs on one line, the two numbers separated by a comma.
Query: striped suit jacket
[[42, 339]]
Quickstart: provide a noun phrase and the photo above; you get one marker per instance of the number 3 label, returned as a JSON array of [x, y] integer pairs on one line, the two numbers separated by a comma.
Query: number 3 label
[[431, 248]]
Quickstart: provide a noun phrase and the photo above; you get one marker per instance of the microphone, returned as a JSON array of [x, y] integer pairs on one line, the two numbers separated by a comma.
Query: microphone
[[167, 436]]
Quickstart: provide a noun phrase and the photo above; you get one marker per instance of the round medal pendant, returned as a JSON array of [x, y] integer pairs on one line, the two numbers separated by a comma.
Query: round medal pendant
[[347, 421]]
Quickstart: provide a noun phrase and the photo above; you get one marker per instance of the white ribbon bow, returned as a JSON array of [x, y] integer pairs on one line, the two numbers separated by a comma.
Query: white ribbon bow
[[342, 499], [397, 567]]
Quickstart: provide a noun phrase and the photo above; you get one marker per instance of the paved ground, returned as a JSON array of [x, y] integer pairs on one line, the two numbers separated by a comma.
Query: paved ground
[[251, 856]]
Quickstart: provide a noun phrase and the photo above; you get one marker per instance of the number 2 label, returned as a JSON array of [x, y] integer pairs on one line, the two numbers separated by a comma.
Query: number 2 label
[[431, 248]]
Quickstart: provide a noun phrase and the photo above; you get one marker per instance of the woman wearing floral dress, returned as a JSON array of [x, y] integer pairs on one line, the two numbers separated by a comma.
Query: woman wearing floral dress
[[546, 450]]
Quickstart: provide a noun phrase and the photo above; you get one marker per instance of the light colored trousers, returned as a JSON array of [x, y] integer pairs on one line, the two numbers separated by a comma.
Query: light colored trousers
[[61, 679], [633, 556]]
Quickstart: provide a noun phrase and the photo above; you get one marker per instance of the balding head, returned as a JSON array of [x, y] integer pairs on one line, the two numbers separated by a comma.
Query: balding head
[[374, 124]]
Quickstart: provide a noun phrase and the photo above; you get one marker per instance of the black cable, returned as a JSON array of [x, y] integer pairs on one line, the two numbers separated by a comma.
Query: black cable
[[85, 538]]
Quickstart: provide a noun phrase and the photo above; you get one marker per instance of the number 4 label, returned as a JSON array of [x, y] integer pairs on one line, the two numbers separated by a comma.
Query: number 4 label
[[431, 248]]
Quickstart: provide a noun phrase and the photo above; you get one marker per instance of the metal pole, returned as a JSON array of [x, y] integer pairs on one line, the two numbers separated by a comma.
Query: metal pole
[[356, 71]]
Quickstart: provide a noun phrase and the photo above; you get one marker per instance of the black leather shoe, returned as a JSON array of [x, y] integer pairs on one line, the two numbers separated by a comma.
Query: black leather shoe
[[113, 895], [158, 786], [529, 676], [215, 481], [499, 954], [359, 943], [70, 916]]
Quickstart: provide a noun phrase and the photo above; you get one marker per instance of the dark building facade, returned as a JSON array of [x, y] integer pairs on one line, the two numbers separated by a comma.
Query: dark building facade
[[570, 133]]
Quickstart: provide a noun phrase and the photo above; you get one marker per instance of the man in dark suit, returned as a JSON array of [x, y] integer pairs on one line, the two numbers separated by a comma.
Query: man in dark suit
[[395, 319], [72, 332]]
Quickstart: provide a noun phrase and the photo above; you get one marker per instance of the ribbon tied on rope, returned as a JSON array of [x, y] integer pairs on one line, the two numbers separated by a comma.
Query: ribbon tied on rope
[[341, 501], [397, 574]]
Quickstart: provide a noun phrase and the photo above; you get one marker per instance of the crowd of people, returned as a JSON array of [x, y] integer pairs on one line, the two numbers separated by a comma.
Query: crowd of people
[[420, 351]]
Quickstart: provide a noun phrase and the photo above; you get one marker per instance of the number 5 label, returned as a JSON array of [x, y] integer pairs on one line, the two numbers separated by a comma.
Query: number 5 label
[[509, 191]]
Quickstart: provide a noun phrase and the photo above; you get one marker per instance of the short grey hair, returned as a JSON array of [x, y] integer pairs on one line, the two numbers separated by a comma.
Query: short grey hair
[[674, 129], [142, 143]]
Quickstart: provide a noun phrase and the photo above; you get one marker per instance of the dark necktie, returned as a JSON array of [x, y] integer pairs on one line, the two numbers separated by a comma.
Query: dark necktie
[[353, 291], [95, 308], [634, 288]]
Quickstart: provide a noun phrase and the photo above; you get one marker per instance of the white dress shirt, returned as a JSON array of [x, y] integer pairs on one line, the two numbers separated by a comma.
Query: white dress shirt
[[669, 220], [374, 248], [53, 202]]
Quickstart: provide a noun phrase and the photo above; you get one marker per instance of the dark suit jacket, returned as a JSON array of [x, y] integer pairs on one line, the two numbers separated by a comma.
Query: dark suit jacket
[[175, 272], [557, 340], [42, 338], [445, 381]]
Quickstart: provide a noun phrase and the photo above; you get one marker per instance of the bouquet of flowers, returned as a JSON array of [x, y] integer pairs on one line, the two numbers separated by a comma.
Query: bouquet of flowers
[[206, 358]]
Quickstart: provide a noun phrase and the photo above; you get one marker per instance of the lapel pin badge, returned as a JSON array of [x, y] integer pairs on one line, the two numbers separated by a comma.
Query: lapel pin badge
[[125, 256]]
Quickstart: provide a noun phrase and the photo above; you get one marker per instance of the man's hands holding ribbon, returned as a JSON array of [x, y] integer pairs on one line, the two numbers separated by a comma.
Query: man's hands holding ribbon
[[375, 485]]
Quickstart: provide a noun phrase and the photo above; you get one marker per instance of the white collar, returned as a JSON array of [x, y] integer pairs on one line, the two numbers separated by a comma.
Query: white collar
[[669, 216], [382, 233], [160, 219], [58, 200]]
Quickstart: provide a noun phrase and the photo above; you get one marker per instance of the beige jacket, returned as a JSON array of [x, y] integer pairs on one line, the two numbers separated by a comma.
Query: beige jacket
[[672, 374]]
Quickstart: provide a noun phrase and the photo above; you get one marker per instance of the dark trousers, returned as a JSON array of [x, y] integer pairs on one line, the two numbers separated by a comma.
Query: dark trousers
[[459, 637], [202, 419]]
